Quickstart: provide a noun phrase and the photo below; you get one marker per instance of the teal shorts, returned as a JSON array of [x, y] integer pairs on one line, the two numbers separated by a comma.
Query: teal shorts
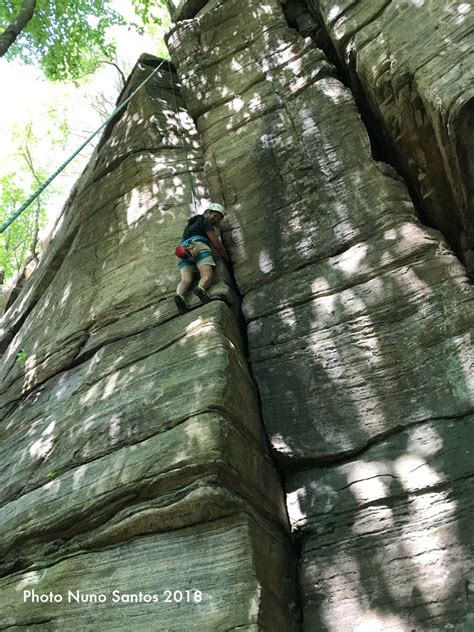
[[202, 256]]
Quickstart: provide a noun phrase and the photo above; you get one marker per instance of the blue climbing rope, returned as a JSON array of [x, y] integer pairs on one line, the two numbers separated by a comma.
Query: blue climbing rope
[[40, 190]]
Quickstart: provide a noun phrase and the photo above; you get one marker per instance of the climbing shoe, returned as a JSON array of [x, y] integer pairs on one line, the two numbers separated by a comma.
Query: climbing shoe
[[180, 304], [202, 294]]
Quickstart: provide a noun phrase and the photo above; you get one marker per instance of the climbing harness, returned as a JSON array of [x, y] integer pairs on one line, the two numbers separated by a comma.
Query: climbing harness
[[33, 197], [193, 251]]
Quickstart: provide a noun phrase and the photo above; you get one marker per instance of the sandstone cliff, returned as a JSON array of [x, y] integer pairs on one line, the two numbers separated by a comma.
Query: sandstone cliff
[[133, 452], [136, 442]]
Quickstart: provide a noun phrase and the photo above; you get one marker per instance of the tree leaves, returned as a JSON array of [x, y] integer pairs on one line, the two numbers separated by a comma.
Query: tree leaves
[[17, 24], [27, 170], [15, 242], [66, 38]]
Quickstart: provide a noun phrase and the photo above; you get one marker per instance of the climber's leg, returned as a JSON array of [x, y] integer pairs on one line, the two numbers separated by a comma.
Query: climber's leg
[[206, 273], [187, 274]]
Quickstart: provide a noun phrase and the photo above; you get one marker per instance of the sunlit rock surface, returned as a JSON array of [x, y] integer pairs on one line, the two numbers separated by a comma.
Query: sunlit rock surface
[[134, 458], [412, 62], [388, 536], [230, 557], [359, 321], [133, 455]]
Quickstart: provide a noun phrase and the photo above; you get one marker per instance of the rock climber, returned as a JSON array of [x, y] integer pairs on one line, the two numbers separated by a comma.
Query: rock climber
[[196, 255]]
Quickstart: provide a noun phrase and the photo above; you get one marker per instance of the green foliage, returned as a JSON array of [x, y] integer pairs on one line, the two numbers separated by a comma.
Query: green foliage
[[16, 240], [28, 167], [149, 11], [67, 38], [21, 356]]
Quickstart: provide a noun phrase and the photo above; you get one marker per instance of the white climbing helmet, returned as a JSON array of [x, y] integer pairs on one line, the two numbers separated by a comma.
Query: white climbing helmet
[[214, 206]]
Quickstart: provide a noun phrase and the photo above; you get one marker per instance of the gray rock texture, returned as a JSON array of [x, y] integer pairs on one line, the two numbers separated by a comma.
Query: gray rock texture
[[5, 293], [133, 456], [184, 9], [411, 62], [359, 322], [387, 537]]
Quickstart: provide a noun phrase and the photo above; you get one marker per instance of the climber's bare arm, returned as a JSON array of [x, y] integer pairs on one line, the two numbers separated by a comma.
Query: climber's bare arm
[[217, 244]]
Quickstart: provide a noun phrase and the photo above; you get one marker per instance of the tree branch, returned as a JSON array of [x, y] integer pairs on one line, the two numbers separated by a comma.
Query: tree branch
[[119, 70], [25, 152], [12, 31]]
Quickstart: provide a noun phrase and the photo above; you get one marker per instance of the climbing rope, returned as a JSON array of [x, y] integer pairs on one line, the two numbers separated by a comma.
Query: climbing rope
[[38, 192]]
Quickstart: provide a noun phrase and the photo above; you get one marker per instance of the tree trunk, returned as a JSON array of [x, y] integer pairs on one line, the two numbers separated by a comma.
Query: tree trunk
[[25, 151], [12, 31]]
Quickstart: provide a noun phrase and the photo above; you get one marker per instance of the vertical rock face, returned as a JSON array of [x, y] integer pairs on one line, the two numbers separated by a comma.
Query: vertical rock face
[[131, 462], [411, 61], [359, 323], [134, 459]]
